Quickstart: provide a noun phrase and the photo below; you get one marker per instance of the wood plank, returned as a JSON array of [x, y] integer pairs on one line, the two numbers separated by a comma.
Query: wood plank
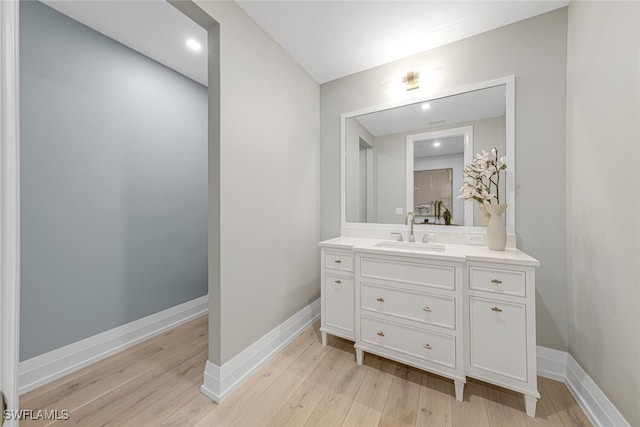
[[434, 407], [239, 401], [170, 397], [361, 415], [566, 406], [128, 400], [331, 411], [335, 405], [43, 397], [263, 410], [194, 331], [401, 406], [349, 379], [298, 409], [65, 423], [546, 414], [189, 414], [502, 407], [472, 411], [375, 387], [80, 392], [75, 393], [326, 371]]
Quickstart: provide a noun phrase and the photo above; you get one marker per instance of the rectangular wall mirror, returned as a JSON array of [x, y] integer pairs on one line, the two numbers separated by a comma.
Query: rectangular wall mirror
[[409, 157]]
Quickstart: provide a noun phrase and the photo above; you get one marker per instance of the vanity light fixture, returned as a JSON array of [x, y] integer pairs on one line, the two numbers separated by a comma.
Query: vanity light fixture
[[425, 106], [411, 80], [193, 45]]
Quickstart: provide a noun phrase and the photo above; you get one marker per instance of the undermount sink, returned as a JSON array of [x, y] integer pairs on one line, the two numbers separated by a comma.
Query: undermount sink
[[410, 246]]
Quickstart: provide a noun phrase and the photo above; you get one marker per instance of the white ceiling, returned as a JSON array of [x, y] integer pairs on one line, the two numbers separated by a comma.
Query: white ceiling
[[332, 39], [466, 107], [152, 27], [329, 39], [447, 145]]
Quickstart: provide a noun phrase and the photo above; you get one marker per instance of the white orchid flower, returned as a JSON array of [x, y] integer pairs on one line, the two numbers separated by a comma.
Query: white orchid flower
[[483, 177]]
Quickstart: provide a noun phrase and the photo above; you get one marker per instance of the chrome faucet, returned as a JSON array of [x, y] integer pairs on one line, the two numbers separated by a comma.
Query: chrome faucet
[[411, 215]]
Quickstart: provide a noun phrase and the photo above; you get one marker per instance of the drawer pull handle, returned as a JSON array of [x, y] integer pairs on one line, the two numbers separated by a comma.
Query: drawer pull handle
[[427, 309], [428, 346], [496, 309], [338, 281], [337, 261], [381, 334], [496, 282], [380, 299]]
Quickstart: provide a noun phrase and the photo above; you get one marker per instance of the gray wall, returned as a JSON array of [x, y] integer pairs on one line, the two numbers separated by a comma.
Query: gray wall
[[534, 51], [603, 148], [113, 183], [269, 186]]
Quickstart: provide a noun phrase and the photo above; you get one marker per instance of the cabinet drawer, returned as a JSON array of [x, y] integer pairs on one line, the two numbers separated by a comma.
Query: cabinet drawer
[[425, 345], [339, 306], [507, 282], [421, 307], [436, 276], [498, 335], [338, 261]]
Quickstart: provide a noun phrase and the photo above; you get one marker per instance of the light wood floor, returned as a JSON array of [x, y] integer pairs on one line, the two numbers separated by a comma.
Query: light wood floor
[[156, 383]]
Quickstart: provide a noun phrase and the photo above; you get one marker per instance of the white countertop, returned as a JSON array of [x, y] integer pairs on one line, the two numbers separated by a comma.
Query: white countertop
[[452, 252]]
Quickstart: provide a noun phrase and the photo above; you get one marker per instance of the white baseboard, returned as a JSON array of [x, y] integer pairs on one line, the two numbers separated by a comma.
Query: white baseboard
[[552, 363], [593, 401], [561, 366], [50, 366], [221, 381]]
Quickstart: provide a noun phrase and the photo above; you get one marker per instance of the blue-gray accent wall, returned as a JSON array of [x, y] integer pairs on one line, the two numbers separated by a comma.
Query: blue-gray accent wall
[[113, 183]]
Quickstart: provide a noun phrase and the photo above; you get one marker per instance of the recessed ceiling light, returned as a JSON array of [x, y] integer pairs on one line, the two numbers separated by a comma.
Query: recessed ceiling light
[[436, 144], [193, 45], [426, 106]]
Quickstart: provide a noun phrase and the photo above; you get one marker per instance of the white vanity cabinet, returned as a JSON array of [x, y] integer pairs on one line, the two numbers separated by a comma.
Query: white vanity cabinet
[[464, 312], [337, 294], [409, 309], [501, 333]]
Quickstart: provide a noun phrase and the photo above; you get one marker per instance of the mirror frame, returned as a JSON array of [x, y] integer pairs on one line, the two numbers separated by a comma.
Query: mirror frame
[[510, 145]]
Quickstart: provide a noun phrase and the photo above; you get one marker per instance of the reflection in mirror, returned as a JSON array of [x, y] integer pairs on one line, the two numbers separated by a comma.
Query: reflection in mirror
[[432, 193], [410, 158]]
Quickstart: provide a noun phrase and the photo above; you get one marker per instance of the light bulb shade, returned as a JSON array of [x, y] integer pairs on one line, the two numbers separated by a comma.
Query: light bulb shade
[[411, 80]]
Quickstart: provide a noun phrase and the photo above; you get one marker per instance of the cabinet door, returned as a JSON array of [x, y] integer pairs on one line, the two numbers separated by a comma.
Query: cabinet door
[[498, 337], [339, 306]]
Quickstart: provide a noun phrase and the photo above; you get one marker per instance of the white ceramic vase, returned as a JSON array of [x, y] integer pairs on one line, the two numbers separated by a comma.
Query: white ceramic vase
[[496, 230], [485, 216]]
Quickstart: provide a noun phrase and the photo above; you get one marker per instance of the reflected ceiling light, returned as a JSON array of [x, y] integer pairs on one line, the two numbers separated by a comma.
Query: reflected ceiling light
[[411, 80], [426, 106], [436, 144], [193, 45]]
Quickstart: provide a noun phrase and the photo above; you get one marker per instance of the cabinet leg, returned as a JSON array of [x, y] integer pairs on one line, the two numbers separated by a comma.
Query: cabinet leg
[[530, 405], [359, 356], [459, 390], [324, 338]]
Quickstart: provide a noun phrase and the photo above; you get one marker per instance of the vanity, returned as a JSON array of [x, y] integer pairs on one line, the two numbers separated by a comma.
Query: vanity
[[455, 310], [431, 294]]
